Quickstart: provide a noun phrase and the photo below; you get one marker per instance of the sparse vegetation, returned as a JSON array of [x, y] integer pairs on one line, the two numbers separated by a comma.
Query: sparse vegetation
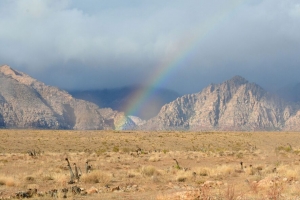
[[136, 165], [7, 181], [116, 149], [149, 171], [97, 177], [287, 148]]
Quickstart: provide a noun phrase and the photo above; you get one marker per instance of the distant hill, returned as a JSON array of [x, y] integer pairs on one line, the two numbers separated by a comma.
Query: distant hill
[[119, 97], [28, 103], [235, 104]]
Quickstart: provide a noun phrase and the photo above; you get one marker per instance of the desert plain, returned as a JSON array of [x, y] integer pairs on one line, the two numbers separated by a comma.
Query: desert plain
[[149, 165]]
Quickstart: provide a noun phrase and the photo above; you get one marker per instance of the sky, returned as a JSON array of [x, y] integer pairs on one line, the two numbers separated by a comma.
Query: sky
[[174, 44]]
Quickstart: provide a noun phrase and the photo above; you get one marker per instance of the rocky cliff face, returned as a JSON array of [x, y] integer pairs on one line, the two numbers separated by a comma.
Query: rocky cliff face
[[28, 103], [235, 104]]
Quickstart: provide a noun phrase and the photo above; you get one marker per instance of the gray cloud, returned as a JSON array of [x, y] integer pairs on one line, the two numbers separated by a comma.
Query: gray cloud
[[98, 44]]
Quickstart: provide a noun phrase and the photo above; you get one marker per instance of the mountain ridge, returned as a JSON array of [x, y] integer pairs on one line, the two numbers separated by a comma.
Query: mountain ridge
[[28, 103], [235, 104]]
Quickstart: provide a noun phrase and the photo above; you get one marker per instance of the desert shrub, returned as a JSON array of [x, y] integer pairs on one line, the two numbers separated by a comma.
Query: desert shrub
[[154, 158], [181, 178], [116, 149], [133, 174], [296, 151], [130, 175], [100, 151], [203, 171], [58, 177], [7, 181], [96, 177], [30, 179], [292, 174], [149, 171], [126, 150], [48, 177], [287, 148], [222, 171], [288, 172], [239, 155]]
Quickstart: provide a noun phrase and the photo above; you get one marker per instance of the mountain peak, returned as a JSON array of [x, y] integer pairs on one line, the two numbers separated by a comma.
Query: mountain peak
[[238, 80], [28, 103], [18, 76], [7, 70]]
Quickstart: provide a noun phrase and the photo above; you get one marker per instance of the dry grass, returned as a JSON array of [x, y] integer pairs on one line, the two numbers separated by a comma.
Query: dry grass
[[148, 170], [96, 177], [7, 181], [209, 164]]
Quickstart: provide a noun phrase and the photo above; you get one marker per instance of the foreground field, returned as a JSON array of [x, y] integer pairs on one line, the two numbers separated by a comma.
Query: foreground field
[[150, 165]]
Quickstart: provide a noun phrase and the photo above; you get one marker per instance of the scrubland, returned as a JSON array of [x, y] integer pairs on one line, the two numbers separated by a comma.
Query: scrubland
[[150, 165]]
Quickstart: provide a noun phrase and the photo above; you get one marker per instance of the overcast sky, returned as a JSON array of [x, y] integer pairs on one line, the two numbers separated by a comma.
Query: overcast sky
[[88, 44]]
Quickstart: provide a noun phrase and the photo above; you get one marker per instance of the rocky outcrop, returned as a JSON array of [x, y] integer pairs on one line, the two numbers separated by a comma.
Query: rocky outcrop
[[235, 104], [28, 103], [293, 122]]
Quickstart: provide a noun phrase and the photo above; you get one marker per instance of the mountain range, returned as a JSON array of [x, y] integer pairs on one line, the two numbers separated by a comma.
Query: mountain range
[[235, 104], [118, 98]]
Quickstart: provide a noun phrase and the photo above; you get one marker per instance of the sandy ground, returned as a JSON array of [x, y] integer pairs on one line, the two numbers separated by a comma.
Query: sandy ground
[[142, 165]]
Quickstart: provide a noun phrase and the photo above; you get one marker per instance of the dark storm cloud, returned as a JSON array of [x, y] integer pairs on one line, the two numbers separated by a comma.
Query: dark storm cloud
[[97, 44]]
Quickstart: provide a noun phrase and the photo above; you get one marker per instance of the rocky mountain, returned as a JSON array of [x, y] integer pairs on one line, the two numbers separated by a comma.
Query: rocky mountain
[[28, 103], [235, 104], [118, 97]]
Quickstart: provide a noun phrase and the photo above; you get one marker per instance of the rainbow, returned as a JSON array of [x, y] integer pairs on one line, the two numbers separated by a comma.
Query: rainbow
[[172, 63]]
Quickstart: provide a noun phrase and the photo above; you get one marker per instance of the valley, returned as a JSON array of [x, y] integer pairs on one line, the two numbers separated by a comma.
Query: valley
[[141, 164]]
